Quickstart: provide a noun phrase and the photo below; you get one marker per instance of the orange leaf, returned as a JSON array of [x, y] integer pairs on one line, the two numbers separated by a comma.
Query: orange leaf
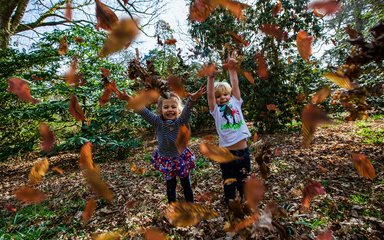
[[68, 11], [272, 107], [322, 169], [154, 234], [234, 7], [255, 137], [363, 166], [311, 190], [207, 70], [29, 195], [86, 161], [142, 99], [121, 36], [272, 30], [21, 89], [243, 223], [183, 137], [106, 18], [108, 90], [97, 185], [318, 14], [184, 214], [277, 8], [107, 236], [254, 190], [325, 7], [229, 181], [340, 80], [262, 69], [75, 109], [72, 76], [311, 117], [78, 39], [352, 33], [326, 235], [321, 95], [200, 10], [170, 41], [105, 72], [249, 77], [88, 211], [63, 47], [176, 85], [304, 45], [47, 138], [58, 170], [38, 171], [238, 39], [216, 153]]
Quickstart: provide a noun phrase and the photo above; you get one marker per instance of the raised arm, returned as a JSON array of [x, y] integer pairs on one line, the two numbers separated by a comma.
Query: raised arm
[[232, 69], [211, 93], [149, 116], [192, 97]]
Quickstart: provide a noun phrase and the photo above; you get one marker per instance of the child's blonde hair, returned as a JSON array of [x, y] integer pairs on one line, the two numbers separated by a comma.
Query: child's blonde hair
[[222, 87], [170, 95]]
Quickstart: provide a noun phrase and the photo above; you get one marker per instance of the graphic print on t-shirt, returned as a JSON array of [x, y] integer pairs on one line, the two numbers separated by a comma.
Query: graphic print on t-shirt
[[232, 117]]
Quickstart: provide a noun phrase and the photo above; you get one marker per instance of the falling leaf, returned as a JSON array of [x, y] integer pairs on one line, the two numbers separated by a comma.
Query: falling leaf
[[321, 95], [300, 97], [86, 161], [75, 109], [21, 89], [254, 191], [243, 223], [63, 47], [176, 85], [216, 153], [47, 137], [311, 117], [106, 18], [272, 30], [29, 195], [142, 99], [58, 170], [68, 11], [97, 185], [262, 70], [207, 70], [78, 39], [249, 77], [264, 170], [234, 7], [136, 170], [277, 8], [238, 39], [272, 107], [170, 41], [326, 235], [304, 45], [255, 137], [311, 190], [363, 166], [154, 234], [107, 236], [38, 171], [125, 2], [229, 181], [108, 90], [183, 137], [120, 37], [88, 211], [184, 214], [340, 80], [325, 7], [105, 72], [352, 33], [200, 10]]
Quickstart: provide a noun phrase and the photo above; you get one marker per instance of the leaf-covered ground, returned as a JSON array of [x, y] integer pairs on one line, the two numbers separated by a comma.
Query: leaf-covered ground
[[353, 207]]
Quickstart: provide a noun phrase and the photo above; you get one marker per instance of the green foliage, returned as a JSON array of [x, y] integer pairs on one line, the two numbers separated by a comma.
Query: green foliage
[[369, 134]]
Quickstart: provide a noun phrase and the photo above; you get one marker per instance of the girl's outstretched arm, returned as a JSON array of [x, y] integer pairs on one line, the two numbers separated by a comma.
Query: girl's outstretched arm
[[186, 113], [149, 116], [211, 93], [232, 69]]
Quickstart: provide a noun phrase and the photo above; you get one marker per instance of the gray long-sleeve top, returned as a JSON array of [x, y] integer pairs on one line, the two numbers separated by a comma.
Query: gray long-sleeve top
[[167, 130]]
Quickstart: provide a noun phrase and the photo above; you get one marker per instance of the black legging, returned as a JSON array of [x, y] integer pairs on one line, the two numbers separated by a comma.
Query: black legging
[[171, 189]]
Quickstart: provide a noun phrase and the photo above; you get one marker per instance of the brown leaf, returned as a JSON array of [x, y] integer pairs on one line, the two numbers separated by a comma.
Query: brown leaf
[[176, 85], [29, 195], [234, 7], [183, 137], [184, 214], [21, 89], [322, 169], [326, 235], [352, 33], [68, 11], [243, 223], [38, 171], [200, 10], [106, 18], [340, 80], [63, 47], [304, 45], [238, 39], [154, 234], [321, 95], [75, 109], [311, 190], [262, 70], [47, 138], [325, 7], [86, 161], [277, 8], [363, 166], [255, 137], [254, 191], [97, 185], [272, 107], [311, 117], [170, 41], [264, 170], [272, 30], [142, 99], [108, 90], [58, 170], [277, 152], [207, 70], [72, 76], [88, 211], [216, 153], [78, 39], [105, 72], [10, 208], [249, 77], [121, 36], [317, 14], [107, 236]]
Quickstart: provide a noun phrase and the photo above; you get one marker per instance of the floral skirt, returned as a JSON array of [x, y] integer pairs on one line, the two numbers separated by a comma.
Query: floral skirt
[[174, 166]]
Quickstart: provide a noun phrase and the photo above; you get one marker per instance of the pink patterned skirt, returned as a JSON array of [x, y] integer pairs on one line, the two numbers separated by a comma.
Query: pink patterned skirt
[[174, 166]]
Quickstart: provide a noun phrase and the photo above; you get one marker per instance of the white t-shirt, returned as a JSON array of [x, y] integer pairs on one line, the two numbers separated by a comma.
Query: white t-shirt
[[230, 124]]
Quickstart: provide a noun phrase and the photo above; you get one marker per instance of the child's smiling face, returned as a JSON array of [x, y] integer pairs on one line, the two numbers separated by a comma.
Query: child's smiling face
[[170, 109], [222, 97]]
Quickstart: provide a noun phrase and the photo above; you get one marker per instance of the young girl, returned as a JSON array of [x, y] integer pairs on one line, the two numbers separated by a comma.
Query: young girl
[[171, 116], [225, 106]]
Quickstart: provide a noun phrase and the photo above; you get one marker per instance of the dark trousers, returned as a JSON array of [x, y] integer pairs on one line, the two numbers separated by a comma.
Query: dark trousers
[[171, 189], [237, 169]]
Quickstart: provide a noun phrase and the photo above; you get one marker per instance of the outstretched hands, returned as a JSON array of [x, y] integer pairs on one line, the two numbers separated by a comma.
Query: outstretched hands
[[231, 63], [196, 95]]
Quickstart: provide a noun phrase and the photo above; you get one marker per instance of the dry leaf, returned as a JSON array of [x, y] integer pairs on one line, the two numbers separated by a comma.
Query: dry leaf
[[29, 195], [170, 41], [58, 170], [86, 161], [108, 90], [47, 138], [154, 234], [106, 18], [326, 235], [107, 236], [262, 70], [75, 109], [238, 39], [183, 137], [216, 153], [363, 166], [325, 7], [229, 181], [97, 185], [78, 39], [38, 171], [249, 77], [21, 89], [72, 76], [321, 95], [304, 45], [243, 223], [272, 107], [207, 70], [311, 117], [88, 211], [63, 47], [200, 10], [142, 99], [254, 191], [176, 85], [311, 190], [272, 30], [68, 11], [340, 80], [277, 8], [277, 152]]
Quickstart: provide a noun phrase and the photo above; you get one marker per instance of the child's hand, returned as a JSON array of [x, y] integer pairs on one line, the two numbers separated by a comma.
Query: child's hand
[[231, 63], [194, 96]]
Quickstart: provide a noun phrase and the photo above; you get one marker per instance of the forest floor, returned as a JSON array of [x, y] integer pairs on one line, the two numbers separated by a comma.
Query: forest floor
[[353, 206]]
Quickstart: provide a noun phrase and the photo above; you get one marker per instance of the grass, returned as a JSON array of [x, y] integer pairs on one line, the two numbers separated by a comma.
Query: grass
[[359, 199], [369, 134]]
